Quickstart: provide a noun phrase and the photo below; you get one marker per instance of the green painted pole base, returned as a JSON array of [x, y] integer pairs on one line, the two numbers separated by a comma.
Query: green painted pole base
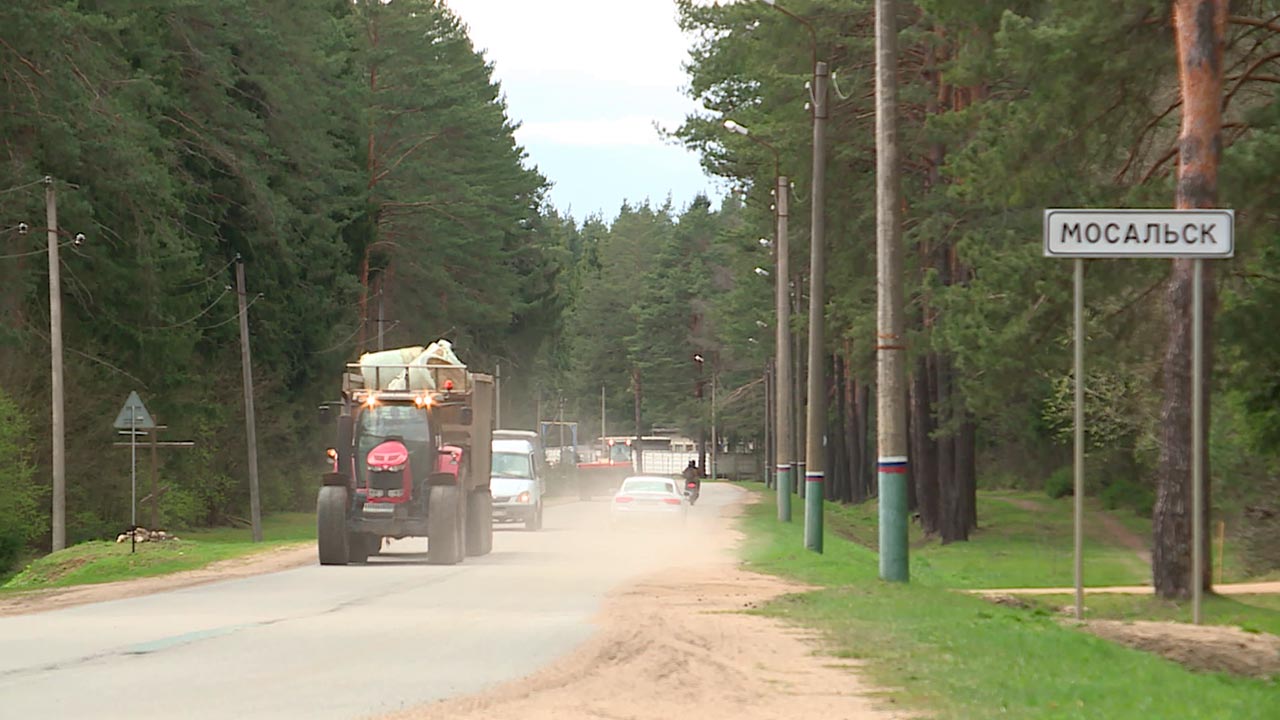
[[894, 561], [784, 493], [813, 512]]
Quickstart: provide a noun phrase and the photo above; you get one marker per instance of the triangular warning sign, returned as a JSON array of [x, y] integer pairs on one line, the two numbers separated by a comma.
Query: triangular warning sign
[[134, 415]]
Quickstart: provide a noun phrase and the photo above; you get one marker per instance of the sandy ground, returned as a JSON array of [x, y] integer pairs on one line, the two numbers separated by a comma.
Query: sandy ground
[[1210, 648], [681, 644], [282, 558]]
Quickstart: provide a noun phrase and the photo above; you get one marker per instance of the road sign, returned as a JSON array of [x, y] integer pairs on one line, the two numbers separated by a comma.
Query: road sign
[[134, 415], [1139, 233]]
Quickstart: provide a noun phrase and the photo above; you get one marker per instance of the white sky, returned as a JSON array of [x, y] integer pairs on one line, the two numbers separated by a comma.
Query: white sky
[[588, 79]]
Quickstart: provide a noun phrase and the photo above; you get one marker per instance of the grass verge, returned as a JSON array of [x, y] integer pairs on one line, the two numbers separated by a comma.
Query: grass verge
[[102, 561], [956, 656]]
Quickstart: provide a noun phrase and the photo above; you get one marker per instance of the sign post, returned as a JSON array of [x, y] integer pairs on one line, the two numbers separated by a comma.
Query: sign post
[[1198, 234], [134, 418]]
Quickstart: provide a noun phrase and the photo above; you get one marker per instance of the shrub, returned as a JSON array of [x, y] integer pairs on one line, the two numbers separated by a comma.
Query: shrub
[[21, 519], [1061, 483]]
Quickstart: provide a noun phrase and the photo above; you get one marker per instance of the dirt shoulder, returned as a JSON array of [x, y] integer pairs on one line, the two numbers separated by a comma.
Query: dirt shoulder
[[274, 560], [682, 644]]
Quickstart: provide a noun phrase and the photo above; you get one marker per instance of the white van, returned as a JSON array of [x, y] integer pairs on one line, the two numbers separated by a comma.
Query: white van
[[517, 481]]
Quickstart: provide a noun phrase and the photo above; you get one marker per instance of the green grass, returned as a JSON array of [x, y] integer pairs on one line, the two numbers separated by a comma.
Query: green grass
[[103, 561], [1254, 613], [957, 656], [1014, 546]]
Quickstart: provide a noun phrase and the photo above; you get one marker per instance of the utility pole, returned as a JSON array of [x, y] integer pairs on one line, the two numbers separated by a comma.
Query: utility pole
[[715, 439], [497, 387], [603, 430], [55, 360], [769, 479], [891, 352], [246, 362], [815, 445], [782, 403], [637, 450], [381, 288]]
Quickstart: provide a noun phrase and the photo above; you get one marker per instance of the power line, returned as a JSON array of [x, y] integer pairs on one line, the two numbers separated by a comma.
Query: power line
[[197, 316], [233, 317]]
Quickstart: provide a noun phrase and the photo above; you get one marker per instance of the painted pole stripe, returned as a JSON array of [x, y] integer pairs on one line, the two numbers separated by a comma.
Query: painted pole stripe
[[784, 467], [896, 465], [814, 476]]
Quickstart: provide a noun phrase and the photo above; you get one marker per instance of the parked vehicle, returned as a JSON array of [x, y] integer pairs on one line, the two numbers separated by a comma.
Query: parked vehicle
[[517, 480], [647, 498], [411, 458]]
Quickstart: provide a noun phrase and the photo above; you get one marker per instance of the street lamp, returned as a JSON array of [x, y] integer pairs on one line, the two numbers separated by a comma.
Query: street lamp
[[784, 439], [815, 450]]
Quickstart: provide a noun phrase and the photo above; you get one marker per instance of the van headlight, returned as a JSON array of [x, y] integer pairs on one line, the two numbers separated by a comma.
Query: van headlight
[[523, 498]]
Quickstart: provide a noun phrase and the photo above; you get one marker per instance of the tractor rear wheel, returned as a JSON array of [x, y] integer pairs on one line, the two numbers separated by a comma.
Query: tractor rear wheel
[[480, 522], [446, 533], [331, 525]]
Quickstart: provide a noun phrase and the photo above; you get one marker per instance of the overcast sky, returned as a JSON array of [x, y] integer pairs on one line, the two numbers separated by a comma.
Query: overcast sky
[[588, 79]]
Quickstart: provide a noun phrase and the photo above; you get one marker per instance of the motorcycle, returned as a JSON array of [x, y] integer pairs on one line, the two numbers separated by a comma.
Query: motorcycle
[[691, 490]]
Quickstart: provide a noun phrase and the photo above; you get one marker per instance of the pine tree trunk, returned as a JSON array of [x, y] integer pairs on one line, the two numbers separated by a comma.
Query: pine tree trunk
[[1199, 29], [924, 469], [862, 425], [853, 454], [967, 472], [951, 517]]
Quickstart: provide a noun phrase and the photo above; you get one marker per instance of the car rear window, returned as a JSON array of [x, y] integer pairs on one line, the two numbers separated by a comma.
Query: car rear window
[[647, 486]]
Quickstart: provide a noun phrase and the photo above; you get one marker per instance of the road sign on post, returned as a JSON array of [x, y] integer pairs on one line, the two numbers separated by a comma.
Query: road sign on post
[[1196, 234], [1139, 233], [134, 417]]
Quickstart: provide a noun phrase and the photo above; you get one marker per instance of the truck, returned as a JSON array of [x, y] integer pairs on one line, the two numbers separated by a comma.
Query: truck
[[604, 475], [411, 458]]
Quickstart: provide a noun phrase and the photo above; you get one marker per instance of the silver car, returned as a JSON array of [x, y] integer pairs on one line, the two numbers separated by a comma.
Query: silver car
[[648, 498], [516, 482]]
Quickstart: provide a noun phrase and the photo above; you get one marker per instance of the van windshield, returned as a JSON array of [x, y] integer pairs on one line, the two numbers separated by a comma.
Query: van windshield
[[511, 465]]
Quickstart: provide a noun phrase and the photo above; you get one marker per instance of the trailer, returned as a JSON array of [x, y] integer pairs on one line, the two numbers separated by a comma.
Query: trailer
[[411, 458]]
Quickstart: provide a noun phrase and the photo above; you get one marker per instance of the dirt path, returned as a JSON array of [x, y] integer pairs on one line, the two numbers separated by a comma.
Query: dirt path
[[1124, 536], [679, 645], [1257, 588], [282, 558]]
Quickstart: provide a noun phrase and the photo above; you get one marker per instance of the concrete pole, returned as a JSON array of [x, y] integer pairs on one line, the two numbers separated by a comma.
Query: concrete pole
[[604, 431], [890, 347], [497, 387], [815, 445], [55, 362], [246, 363], [782, 403], [715, 440], [154, 521]]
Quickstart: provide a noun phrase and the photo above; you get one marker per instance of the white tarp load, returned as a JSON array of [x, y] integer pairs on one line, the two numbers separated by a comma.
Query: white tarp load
[[427, 368]]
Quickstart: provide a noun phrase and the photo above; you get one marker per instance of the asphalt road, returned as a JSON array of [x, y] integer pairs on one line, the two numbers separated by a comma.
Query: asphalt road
[[338, 642]]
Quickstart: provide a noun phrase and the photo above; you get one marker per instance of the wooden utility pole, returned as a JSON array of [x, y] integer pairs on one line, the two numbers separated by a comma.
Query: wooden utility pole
[[246, 362], [55, 360], [1178, 566], [891, 395]]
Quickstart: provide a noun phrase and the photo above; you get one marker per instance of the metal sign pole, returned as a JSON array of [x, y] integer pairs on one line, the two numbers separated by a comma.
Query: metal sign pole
[[1197, 439], [1079, 438], [133, 482]]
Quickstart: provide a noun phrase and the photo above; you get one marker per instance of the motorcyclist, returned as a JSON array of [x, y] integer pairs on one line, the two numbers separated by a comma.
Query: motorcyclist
[[692, 474]]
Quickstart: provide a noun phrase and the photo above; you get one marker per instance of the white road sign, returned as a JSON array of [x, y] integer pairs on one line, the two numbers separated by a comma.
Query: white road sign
[[1139, 233]]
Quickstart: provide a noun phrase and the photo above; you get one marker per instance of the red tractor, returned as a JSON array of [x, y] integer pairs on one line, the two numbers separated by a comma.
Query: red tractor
[[411, 461]]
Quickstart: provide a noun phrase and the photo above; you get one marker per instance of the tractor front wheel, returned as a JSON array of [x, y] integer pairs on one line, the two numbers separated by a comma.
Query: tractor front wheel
[[331, 526]]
